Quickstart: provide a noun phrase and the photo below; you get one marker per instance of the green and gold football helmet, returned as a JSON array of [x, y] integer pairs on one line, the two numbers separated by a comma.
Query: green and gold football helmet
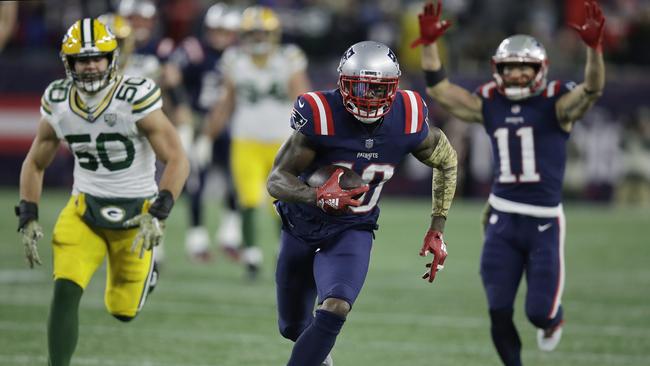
[[88, 38]]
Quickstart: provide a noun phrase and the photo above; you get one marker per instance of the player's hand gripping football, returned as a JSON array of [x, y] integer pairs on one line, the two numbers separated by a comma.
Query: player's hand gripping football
[[30, 233], [433, 243], [431, 27], [331, 197], [593, 28], [150, 233]]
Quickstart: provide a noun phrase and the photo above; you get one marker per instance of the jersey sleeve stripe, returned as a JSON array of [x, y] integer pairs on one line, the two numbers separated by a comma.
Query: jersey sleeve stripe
[[147, 106], [144, 99], [414, 115], [321, 111], [551, 88], [328, 113], [150, 99], [46, 106], [487, 89]]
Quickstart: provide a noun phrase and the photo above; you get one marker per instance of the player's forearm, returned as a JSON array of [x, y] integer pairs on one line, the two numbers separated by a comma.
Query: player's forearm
[[431, 57], [177, 169], [286, 187], [217, 120], [31, 182], [442, 191], [594, 72], [444, 162]]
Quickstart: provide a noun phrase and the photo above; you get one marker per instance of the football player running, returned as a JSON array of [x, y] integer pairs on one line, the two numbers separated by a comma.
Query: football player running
[[368, 125], [528, 120], [194, 67], [115, 127], [261, 79]]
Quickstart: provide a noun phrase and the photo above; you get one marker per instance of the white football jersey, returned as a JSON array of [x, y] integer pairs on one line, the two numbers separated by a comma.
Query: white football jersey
[[263, 105], [112, 158]]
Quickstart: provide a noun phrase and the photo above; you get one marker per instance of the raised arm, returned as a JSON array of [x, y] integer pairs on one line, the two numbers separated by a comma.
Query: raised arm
[[573, 105], [453, 98]]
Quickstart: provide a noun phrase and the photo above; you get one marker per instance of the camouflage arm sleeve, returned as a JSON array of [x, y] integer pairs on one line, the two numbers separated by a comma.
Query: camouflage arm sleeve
[[443, 160]]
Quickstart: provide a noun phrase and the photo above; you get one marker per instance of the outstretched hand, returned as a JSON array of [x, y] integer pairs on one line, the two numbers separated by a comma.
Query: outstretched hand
[[331, 197], [593, 28], [431, 27], [30, 234], [433, 243], [150, 233]]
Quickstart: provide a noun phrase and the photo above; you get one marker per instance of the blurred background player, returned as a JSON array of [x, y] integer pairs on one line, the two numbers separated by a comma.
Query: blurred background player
[[115, 127], [528, 121], [261, 79], [124, 35], [150, 50], [194, 67]]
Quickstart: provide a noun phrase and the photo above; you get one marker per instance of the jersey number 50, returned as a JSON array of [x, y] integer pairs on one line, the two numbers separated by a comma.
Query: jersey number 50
[[89, 161]]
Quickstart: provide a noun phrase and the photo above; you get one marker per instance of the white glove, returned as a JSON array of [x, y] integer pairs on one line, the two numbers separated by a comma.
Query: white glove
[[202, 151], [150, 233], [30, 234]]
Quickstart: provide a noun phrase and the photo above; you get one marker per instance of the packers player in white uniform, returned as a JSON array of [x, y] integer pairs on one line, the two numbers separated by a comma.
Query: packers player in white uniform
[[114, 126], [262, 78]]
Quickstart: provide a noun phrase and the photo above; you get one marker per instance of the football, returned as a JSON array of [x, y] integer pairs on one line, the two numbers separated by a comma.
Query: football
[[349, 180]]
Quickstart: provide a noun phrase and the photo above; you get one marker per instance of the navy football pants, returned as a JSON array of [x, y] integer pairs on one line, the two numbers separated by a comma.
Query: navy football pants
[[515, 244], [335, 268]]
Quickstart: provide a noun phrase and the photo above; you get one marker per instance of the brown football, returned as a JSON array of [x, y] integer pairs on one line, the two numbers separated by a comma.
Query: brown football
[[350, 179]]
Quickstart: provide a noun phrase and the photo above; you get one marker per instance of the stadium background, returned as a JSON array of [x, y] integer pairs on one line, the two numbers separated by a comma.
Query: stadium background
[[208, 315]]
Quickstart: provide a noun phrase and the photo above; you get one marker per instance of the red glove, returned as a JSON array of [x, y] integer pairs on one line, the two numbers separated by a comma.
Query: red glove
[[431, 28], [331, 198], [592, 30], [433, 243]]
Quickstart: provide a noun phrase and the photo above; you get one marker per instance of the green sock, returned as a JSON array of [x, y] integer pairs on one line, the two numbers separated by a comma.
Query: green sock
[[63, 325], [248, 226]]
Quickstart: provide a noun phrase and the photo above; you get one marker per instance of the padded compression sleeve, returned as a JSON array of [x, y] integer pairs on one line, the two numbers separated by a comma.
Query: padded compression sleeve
[[444, 161]]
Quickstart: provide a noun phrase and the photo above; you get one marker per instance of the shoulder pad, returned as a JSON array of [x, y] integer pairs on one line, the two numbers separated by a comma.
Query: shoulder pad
[[557, 88], [141, 92], [487, 90], [312, 115], [56, 92], [415, 111], [295, 57]]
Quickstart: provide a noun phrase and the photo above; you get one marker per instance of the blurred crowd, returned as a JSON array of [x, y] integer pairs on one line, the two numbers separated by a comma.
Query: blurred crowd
[[610, 156]]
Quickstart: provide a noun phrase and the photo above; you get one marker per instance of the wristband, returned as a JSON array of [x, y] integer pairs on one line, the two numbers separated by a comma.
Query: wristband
[[433, 77], [26, 212], [163, 204]]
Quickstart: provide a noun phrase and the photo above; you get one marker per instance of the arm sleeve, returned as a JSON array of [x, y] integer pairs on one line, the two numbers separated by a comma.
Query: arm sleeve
[[444, 163]]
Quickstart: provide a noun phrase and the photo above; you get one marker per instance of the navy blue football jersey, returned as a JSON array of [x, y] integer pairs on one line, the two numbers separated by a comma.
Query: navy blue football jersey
[[201, 76], [528, 145], [372, 151]]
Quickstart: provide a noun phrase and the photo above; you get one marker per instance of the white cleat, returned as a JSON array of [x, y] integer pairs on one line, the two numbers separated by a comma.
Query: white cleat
[[197, 244], [548, 339], [328, 361], [229, 233]]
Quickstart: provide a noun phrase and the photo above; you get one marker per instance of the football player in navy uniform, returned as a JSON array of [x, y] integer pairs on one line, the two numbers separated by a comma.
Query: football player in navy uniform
[[194, 66], [368, 125], [528, 121]]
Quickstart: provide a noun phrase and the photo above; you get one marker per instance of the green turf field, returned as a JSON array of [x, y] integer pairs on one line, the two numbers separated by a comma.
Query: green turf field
[[204, 315]]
